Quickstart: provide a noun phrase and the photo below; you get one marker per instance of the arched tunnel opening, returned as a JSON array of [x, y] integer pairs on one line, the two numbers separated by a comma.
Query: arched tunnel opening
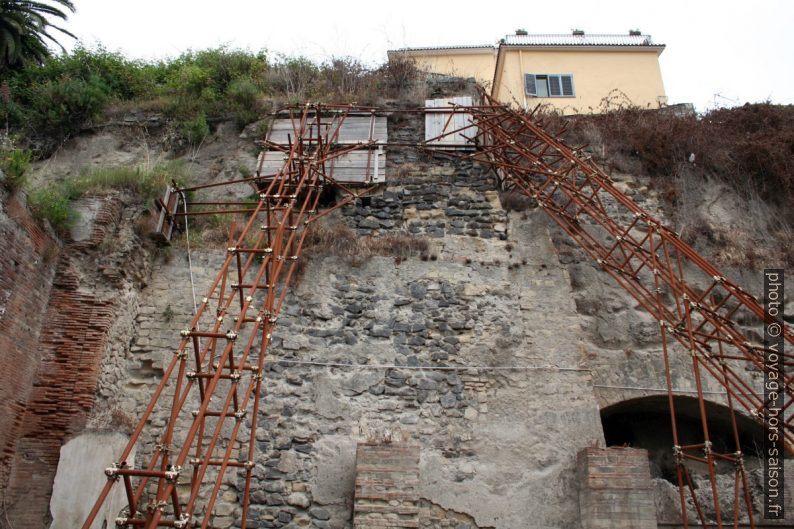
[[645, 423]]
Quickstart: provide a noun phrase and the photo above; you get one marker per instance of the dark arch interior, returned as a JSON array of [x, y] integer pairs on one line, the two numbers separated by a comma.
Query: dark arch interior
[[645, 423]]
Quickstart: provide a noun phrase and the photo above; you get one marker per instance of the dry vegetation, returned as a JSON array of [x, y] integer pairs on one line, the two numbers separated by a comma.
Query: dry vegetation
[[746, 152], [344, 79], [515, 201], [750, 148], [325, 238], [337, 239]]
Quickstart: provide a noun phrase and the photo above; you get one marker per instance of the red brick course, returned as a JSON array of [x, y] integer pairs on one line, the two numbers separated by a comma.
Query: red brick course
[[387, 486], [53, 338], [27, 266], [615, 489]]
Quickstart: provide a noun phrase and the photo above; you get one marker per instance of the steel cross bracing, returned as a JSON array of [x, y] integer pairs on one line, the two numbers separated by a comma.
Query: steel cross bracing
[[696, 306]]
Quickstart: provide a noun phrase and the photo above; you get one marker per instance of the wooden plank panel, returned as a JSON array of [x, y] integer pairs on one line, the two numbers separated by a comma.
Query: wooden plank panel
[[437, 123], [348, 168], [356, 158], [354, 129]]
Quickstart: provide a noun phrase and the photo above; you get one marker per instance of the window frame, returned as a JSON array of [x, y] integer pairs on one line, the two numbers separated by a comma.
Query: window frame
[[548, 86]]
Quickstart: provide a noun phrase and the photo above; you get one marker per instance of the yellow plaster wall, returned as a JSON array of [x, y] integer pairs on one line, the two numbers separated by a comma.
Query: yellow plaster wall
[[479, 65], [596, 73]]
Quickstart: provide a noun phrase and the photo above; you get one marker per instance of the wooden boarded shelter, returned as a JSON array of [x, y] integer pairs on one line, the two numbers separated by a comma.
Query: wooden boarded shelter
[[363, 166], [449, 129]]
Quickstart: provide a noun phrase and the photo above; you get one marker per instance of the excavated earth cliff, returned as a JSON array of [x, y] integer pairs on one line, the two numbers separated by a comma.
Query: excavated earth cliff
[[501, 353]]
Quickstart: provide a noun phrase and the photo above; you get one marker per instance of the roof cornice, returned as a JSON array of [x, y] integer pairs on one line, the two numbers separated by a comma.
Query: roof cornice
[[575, 41], [444, 49], [658, 48]]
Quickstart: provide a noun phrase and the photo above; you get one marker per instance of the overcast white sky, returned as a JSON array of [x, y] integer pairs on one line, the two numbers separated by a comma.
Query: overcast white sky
[[726, 51]]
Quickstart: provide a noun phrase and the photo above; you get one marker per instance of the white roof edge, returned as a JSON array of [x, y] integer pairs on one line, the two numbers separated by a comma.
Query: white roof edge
[[489, 47], [543, 40]]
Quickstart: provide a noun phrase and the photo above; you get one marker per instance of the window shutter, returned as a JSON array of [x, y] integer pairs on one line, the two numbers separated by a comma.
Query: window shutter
[[554, 85], [567, 85], [529, 84]]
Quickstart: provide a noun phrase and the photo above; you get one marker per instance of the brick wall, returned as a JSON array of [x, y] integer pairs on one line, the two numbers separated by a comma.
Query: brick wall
[[27, 266], [55, 334], [387, 481], [71, 347], [615, 489]]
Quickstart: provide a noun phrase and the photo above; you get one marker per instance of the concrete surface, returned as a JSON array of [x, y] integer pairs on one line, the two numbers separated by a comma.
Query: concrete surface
[[80, 478]]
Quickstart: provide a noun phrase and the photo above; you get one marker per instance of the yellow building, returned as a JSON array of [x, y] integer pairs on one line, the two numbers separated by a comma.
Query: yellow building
[[575, 73]]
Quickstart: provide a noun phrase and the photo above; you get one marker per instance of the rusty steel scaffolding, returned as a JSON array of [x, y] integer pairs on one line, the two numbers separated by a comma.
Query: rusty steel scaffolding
[[223, 365], [694, 303], [220, 369]]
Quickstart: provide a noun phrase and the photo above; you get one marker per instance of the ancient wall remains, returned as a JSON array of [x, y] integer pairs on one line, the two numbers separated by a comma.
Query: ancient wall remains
[[616, 489], [27, 266]]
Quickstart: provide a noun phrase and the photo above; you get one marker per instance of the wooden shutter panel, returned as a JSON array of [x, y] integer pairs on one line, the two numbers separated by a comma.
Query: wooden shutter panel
[[529, 84], [567, 85], [554, 85]]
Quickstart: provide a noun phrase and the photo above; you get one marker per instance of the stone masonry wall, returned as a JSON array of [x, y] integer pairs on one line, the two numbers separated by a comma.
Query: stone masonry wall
[[474, 356], [432, 202], [472, 353]]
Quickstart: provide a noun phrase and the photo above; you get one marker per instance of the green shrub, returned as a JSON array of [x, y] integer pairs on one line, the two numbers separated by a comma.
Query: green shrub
[[13, 113], [244, 98], [15, 164], [56, 99], [213, 82], [196, 129], [220, 66], [123, 78], [61, 108], [54, 204], [190, 80]]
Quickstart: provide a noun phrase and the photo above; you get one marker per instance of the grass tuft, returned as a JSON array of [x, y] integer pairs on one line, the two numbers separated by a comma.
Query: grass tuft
[[144, 184], [55, 203]]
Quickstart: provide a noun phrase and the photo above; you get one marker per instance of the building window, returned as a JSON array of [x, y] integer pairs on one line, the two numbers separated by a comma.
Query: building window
[[548, 85]]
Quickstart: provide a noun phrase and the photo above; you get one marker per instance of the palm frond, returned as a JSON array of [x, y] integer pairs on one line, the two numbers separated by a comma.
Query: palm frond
[[39, 8], [25, 27]]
